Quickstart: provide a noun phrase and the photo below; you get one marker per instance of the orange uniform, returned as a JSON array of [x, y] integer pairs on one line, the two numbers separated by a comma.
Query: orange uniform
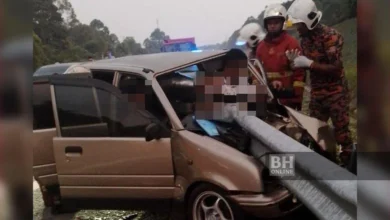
[[271, 52]]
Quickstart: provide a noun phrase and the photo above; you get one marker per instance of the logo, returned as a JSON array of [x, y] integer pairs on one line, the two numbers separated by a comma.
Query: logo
[[281, 164], [271, 51]]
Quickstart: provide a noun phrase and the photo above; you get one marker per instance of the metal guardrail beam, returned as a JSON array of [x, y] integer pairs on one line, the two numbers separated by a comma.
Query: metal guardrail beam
[[328, 190], [373, 188]]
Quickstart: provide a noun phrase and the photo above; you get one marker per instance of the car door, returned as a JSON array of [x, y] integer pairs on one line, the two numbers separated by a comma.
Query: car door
[[100, 149]]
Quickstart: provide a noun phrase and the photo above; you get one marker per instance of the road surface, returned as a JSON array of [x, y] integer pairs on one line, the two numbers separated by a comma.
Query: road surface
[[35, 185]]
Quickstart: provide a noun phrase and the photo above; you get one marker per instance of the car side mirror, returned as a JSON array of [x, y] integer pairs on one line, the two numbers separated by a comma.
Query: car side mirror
[[153, 131]]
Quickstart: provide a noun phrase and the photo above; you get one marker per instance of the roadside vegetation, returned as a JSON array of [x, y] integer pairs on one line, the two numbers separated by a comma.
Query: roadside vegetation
[[60, 37]]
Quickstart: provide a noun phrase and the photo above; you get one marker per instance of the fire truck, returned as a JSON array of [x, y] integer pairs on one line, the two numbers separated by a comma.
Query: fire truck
[[179, 44]]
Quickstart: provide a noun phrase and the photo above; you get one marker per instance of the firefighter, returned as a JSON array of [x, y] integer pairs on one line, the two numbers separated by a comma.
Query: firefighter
[[286, 84], [250, 35], [321, 49]]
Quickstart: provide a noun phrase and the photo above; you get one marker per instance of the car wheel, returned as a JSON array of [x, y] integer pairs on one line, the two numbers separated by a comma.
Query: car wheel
[[48, 200], [208, 202]]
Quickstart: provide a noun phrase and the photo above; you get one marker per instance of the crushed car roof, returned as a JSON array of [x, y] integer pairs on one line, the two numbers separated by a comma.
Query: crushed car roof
[[157, 63]]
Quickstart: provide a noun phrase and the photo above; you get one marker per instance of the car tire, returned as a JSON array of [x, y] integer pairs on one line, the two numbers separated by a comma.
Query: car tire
[[208, 195], [48, 200], [56, 210]]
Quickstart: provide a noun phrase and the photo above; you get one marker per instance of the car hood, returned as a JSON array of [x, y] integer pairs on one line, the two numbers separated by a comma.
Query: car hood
[[319, 130]]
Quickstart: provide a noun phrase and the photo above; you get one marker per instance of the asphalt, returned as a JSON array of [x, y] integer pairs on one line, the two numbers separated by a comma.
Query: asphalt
[[42, 213]]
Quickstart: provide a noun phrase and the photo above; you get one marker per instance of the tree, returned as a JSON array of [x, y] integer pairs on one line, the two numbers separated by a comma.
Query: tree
[[50, 29], [60, 37], [152, 46], [66, 9], [94, 47], [39, 56], [81, 34], [129, 47], [74, 54], [154, 43], [98, 25], [114, 40], [48, 23], [158, 35]]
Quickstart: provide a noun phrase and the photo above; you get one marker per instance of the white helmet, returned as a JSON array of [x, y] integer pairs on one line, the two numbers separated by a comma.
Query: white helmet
[[251, 34], [304, 11], [275, 11]]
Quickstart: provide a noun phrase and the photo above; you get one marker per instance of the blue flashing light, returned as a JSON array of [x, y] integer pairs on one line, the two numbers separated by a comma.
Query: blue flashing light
[[197, 51], [240, 43]]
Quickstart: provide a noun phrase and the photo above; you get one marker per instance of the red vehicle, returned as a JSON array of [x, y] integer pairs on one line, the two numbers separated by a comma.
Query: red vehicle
[[180, 44]]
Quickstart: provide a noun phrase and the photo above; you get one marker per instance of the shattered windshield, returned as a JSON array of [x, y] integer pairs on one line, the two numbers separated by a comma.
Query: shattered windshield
[[189, 72]]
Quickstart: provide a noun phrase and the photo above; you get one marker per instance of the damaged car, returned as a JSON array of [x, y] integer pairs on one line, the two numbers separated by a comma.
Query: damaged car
[[123, 135]]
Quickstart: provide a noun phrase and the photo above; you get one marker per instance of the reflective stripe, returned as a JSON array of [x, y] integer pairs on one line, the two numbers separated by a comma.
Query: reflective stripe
[[298, 84], [274, 75]]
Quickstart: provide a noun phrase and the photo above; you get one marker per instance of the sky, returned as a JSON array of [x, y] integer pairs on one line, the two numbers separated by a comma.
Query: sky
[[209, 21]]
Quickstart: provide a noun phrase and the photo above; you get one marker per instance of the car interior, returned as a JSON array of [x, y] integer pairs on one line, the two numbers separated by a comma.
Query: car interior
[[139, 92], [180, 88], [107, 76]]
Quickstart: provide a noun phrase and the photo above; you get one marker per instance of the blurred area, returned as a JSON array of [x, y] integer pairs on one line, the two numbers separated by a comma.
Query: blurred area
[[373, 107], [373, 77], [16, 68]]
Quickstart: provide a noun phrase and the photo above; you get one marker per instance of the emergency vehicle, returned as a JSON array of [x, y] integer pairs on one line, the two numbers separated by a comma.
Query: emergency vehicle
[[179, 44]]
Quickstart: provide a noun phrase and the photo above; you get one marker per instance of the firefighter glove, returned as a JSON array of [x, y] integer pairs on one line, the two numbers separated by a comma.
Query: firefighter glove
[[302, 62]]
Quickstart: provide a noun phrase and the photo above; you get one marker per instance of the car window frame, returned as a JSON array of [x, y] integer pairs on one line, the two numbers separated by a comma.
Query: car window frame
[[125, 73], [65, 70], [93, 84]]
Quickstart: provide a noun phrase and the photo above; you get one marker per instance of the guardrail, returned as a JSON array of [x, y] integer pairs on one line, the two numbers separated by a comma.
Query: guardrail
[[327, 189], [374, 181]]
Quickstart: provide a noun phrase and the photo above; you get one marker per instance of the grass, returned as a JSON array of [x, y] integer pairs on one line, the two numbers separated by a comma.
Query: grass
[[348, 30], [41, 214]]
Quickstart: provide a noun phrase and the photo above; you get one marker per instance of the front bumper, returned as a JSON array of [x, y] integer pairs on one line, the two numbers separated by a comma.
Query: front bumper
[[272, 205]]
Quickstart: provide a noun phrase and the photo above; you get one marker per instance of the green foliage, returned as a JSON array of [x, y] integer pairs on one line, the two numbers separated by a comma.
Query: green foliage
[[39, 54], [74, 54], [129, 47], [336, 11], [155, 40], [60, 37], [348, 30]]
